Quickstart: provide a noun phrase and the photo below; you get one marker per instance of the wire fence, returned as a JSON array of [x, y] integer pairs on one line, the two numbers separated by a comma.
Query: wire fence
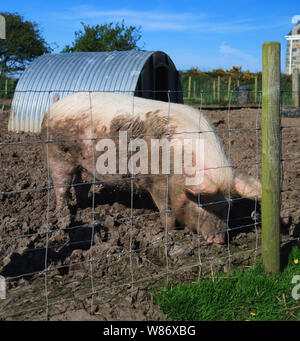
[[123, 239], [7, 87], [243, 90]]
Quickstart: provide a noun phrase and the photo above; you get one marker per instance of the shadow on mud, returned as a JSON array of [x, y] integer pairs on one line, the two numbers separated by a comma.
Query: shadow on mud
[[244, 214], [33, 260]]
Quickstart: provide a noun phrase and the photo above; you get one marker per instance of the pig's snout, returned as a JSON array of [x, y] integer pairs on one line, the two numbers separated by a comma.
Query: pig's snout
[[218, 238]]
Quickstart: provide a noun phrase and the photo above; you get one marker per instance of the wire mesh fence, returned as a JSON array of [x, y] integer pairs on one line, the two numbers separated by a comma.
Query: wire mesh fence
[[122, 240], [7, 87], [243, 89]]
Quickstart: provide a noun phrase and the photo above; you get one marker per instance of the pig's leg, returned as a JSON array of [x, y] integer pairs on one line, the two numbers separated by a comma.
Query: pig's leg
[[61, 172], [82, 189], [158, 193]]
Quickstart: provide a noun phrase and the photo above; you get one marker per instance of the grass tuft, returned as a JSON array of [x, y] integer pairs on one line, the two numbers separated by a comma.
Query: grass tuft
[[239, 296]]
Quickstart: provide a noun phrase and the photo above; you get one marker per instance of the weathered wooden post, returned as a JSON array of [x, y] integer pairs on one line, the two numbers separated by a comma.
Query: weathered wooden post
[[189, 87], [255, 89], [228, 88], [214, 90], [218, 89], [194, 89], [295, 87], [6, 86], [271, 152]]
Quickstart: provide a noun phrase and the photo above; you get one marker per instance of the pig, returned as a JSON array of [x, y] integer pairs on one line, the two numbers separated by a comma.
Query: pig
[[74, 125]]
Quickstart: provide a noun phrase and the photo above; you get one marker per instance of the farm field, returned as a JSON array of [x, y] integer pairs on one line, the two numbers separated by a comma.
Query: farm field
[[113, 279]]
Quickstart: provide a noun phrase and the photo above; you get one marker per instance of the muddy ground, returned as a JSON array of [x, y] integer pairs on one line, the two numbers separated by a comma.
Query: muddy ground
[[100, 279]]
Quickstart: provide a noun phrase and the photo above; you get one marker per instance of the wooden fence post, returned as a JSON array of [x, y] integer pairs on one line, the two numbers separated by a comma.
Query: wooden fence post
[[218, 89], [229, 88], [271, 152], [5, 89], [295, 87], [214, 90], [194, 89], [255, 89], [189, 87]]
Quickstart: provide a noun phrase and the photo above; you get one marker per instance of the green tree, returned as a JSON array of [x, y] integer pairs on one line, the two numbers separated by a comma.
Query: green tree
[[218, 72], [23, 43], [107, 37], [194, 71]]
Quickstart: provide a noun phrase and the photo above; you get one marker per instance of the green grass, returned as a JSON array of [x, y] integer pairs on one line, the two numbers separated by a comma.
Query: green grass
[[204, 88], [5, 107], [7, 90], [235, 297]]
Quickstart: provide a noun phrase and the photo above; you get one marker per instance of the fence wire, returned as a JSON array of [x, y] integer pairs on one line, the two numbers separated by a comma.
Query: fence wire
[[118, 244]]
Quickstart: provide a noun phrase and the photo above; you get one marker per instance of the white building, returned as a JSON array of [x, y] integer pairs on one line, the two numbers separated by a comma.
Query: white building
[[293, 47]]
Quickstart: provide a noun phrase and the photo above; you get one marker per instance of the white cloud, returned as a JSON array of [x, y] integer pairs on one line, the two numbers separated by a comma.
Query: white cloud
[[149, 20], [295, 19], [165, 21], [243, 56]]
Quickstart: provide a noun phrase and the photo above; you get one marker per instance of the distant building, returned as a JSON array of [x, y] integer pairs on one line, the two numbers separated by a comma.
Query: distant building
[[293, 50]]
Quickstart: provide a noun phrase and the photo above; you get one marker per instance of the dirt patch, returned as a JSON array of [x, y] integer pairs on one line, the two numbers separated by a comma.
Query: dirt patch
[[106, 263]]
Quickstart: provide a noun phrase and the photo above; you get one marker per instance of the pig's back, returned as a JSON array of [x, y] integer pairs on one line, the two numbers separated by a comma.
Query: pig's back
[[105, 107], [104, 104], [72, 116]]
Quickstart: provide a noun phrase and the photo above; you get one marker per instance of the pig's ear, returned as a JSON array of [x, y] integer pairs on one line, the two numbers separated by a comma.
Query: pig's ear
[[207, 186], [246, 186]]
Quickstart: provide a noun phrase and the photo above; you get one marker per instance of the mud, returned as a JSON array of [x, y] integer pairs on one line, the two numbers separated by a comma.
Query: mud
[[106, 263]]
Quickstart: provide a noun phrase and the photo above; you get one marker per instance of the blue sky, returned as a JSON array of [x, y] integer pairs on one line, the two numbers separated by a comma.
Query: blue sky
[[206, 34]]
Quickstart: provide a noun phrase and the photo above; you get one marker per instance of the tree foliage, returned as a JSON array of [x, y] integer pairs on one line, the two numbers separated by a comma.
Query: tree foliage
[[23, 43], [194, 71], [235, 73], [107, 37], [218, 72]]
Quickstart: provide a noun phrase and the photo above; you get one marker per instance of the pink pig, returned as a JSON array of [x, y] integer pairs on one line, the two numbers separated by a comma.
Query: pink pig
[[84, 123]]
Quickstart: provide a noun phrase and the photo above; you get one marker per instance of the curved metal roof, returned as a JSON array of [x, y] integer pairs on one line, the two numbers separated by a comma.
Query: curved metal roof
[[65, 73]]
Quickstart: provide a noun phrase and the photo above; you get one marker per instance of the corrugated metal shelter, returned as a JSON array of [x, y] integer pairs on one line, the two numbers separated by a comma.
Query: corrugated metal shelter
[[146, 74]]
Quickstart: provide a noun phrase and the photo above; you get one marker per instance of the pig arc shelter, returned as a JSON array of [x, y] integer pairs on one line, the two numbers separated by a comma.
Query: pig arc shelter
[[148, 74]]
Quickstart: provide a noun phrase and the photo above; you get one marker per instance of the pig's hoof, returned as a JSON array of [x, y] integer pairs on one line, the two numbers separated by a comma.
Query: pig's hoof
[[214, 238]]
